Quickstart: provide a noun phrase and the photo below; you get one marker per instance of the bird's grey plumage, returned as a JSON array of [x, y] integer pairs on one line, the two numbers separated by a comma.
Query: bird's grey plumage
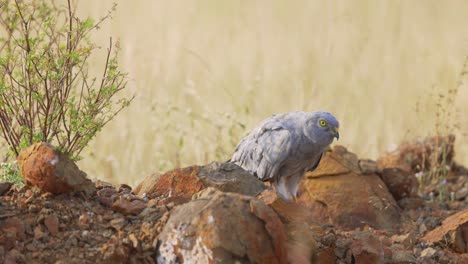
[[284, 146]]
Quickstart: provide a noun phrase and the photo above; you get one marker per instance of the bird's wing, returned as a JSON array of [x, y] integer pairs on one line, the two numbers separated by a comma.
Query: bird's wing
[[313, 167], [264, 151]]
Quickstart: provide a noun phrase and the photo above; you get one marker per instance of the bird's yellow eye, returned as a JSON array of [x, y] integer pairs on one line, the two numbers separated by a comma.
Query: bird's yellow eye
[[323, 123]]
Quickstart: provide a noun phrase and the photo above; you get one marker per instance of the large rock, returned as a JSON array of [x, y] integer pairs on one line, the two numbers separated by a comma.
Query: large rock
[[185, 182], [366, 248], [338, 193], [298, 220], [49, 169], [223, 228], [400, 183], [420, 154], [452, 232]]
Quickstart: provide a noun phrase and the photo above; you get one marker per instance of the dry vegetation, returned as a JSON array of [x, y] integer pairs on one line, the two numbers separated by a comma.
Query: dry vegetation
[[204, 72]]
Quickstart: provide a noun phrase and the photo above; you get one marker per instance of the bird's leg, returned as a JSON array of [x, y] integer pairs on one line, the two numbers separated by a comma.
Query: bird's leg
[[292, 184], [282, 189]]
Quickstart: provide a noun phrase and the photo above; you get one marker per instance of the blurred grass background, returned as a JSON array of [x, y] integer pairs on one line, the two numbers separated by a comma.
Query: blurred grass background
[[206, 71]]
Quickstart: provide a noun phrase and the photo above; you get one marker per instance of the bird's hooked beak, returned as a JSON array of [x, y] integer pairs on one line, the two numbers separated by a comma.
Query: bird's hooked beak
[[336, 133]]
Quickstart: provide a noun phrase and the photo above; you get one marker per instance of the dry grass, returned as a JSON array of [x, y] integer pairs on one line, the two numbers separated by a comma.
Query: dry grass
[[205, 72]]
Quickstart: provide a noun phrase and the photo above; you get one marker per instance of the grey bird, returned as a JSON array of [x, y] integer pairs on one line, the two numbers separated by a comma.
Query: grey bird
[[285, 146]]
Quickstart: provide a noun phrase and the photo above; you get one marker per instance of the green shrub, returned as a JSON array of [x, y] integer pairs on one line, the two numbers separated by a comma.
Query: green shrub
[[9, 172], [46, 93]]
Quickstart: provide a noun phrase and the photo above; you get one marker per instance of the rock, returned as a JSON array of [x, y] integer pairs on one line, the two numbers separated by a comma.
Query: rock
[[403, 257], [428, 253], [14, 256], [14, 225], [462, 193], [223, 228], [452, 232], [400, 183], [325, 256], [410, 203], [302, 247], [229, 177], [128, 207], [407, 240], [336, 162], [106, 192], [368, 166], [5, 187], [419, 155], [11, 232], [49, 169], [366, 249], [115, 251], [118, 223], [342, 247], [52, 224], [186, 182], [337, 193], [179, 182]]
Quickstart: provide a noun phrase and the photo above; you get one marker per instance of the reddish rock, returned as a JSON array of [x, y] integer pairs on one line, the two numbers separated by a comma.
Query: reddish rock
[[49, 169], [367, 249], [39, 232], [326, 256], [11, 231], [185, 182], [106, 192], [453, 231], [419, 154], [128, 207], [52, 224], [179, 182], [14, 256], [225, 227], [114, 251], [298, 221], [400, 183], [337, 193]]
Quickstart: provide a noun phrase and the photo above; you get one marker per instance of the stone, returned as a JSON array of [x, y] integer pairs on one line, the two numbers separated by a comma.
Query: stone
[[453, 231], [407, 240], [225, 227], [115, 251], [368, 166], [400, 183], [298, 221], [181, 182], [325, 256], [186, 182], [419, 154], [428, 252], [229, 177], [410, 203], [461, 193], [337, 193], [128, 207], [44, 166], [366, 248], [52, 224], [15, 225], [5, 187], [403, 257]]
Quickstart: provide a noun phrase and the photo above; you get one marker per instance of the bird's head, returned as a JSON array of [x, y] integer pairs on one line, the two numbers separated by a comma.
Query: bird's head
[[322, 128]]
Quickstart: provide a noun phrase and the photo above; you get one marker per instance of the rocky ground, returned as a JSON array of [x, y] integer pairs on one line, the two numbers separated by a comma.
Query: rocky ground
[[348, 211]]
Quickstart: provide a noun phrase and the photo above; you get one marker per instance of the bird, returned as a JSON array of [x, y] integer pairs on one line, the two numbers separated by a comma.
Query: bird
[[285, 146]]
